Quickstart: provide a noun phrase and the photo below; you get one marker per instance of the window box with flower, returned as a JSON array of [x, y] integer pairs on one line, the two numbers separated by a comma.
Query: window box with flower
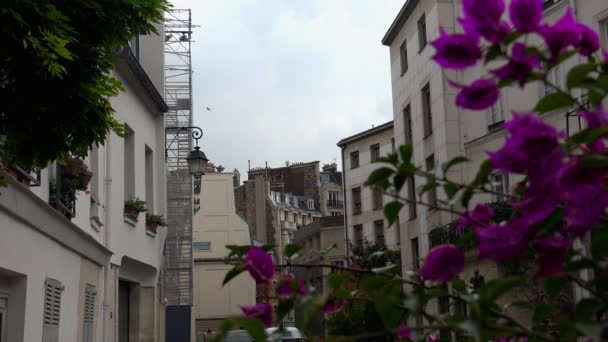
[[133, 207], [153, 222]]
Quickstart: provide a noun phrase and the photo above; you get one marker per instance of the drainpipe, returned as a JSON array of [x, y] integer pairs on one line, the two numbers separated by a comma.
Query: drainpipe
[[106, 272], [346, 246]]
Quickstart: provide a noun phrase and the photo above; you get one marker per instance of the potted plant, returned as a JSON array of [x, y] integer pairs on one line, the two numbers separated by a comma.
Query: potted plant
[[73, 166], [134, 206], [84, 177], [153, 221]]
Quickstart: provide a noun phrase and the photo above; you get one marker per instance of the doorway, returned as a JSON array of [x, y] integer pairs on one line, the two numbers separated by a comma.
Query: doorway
[[124, 297]]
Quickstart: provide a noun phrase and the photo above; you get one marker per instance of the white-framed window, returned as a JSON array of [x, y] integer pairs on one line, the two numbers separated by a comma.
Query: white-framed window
[[500, 185], [88, 332], [496, 114], [403, 57], [554, 77], [311, 204]]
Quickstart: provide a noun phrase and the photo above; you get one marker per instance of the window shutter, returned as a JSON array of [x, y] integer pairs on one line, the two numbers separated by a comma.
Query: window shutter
[[89, 313], [52, 310]]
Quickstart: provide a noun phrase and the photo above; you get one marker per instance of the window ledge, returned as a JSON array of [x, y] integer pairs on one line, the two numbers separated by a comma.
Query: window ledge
[[427, 135], [150, 233], [130, 221]]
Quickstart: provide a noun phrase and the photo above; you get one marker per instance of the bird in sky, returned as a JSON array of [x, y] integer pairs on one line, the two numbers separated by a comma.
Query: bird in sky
[[208, 108]]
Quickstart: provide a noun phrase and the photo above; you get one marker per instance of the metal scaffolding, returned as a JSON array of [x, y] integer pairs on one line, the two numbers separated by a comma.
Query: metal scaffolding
[[178, 143]]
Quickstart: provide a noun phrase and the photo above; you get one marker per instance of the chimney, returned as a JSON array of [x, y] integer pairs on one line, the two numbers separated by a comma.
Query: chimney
[[333, 167]]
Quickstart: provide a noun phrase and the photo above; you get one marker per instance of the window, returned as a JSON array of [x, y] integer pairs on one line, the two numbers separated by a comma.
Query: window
[[398, 231], [379, 231], [135, 47], [3, 309], [311, 204], [496, 115], [422, 32], [427, 117], [356, 201], [403, 56], [333, 199], [129, 163], [374, 152], [377, 199], [411, 190], [354, 159], [393, 145], [149, 174], [430, 168], [554, 77], [52, 310], [407, 124], [415, 254], [89, 314], [500, 185], [95, 201], [358, 234]]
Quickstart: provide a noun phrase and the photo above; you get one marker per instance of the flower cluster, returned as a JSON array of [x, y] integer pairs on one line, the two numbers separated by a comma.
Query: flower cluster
[[483, 21], [261, 268]]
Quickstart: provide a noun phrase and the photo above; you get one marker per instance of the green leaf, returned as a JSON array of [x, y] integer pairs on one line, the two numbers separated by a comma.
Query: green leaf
[[580, 264], [392, 159], [482, 174], [371, 283], [459, 285], [291, 250], [553, 101], [391, 212], [426, 187], [588, 135], [254, 328], [493, 52], [522, 304], [466, 196], [495, 288], [284, 307], [384, 269], [235, 271], [587, 308], [472, 328], [541, 312], [453, 162], [399, 180], [336, 279], [379, 177], [578, 75], [553, 286], [594, 161], [405, 151], [566, 55], [599, 241], [450, 189], [238, 251]]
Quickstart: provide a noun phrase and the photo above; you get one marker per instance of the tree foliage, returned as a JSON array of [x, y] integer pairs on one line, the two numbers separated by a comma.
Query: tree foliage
[[55, 73]]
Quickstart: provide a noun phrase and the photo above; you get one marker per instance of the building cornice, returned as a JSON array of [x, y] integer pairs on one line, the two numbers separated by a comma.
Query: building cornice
[[365, 134], [400, 20], [129, 64], [23, 205]]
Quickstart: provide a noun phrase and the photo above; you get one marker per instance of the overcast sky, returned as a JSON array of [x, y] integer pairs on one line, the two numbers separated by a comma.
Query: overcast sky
[[286, 79]]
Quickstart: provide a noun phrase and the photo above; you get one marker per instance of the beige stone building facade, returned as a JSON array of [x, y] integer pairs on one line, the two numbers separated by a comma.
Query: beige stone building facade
[[363, 207], [216, 225], [332, 200]]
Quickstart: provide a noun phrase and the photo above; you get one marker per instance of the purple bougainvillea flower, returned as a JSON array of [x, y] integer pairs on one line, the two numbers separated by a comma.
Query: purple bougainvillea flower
[[480, 214], [259, 264], [561, 35], [584, 208], [596, 119], [263, 312], [456, 51], [403, 333], [483, 18], [433, 338], [540, 200], [333, 305], [291, 286], [589, 41], [503, 242], [552, 252], [530, 145], [520, 65], [481, 94], [526, 14], [442, 263]]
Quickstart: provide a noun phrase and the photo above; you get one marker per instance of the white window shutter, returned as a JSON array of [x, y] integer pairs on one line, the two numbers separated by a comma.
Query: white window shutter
[[89, 313], [52, 310]]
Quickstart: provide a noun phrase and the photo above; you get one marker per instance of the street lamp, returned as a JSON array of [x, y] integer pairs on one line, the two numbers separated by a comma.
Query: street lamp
[[197, 160]]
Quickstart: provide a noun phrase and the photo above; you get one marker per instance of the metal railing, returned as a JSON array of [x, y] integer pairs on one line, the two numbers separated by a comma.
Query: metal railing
[[335, 204], [32, 174], [445, 234]]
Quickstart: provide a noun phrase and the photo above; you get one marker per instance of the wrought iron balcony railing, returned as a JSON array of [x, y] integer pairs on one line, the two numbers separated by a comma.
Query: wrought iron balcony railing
[[335, 204], [445, 234]]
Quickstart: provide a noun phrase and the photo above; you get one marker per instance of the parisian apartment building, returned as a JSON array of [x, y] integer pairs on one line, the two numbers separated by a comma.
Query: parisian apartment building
[[364, 207], [426, 117], [76, 263]]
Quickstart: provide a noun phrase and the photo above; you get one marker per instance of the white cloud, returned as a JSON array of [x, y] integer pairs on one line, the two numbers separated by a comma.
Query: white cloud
[[286, 80]]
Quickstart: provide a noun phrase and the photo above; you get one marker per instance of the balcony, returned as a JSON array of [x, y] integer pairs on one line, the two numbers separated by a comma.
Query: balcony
[[335, 204], [27, 177], [445, 234], [549, 3]]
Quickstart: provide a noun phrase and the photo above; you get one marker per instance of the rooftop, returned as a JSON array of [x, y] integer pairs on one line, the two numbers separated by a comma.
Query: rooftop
[[402, 17], [320, 224], [367, 133]]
